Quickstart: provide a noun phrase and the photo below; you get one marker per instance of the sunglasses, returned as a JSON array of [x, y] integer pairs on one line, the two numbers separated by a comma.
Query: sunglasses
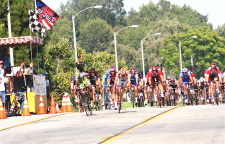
[[1, 63]]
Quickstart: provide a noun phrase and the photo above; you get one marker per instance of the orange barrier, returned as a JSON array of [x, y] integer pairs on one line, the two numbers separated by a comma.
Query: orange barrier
[[52, 106], [41, 108], [26, 111], [2, 111]]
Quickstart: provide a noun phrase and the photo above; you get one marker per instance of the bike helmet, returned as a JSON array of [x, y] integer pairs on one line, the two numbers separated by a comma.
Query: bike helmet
[[140, 75], [133, 70], [184, 70], [159, 65], [154, 68], [213, 65], [79, 64], [112, 68]]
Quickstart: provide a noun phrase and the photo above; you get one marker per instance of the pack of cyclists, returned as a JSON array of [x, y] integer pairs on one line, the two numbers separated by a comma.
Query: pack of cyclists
[[154, 89]]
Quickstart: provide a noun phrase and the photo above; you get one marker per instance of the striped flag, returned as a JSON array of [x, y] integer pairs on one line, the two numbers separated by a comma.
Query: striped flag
[[46, 16]]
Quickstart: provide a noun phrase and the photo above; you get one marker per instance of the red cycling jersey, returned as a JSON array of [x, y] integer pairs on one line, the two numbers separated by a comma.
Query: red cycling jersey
[[210, 71], [151, 74]]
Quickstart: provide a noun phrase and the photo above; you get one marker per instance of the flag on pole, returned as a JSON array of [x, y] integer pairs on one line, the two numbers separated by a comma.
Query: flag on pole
[[46, 16], [34, 24]]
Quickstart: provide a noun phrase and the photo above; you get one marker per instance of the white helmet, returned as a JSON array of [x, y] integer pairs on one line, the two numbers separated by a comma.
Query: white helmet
[[184, 69]]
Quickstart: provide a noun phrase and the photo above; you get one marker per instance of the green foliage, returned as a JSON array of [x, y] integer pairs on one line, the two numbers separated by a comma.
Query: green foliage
[[207, 48], [101, 61], [95, 35]]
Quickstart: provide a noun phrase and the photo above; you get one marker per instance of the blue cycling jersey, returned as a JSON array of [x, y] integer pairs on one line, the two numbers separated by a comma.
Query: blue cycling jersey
[[185, 78], [133, 79]]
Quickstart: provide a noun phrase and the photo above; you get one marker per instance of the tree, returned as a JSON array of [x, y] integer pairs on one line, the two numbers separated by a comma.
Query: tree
[[207, 48], [95, 35]]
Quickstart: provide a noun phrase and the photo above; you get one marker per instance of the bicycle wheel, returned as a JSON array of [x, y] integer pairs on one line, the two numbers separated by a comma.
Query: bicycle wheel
[[132, 97], [119, 106]]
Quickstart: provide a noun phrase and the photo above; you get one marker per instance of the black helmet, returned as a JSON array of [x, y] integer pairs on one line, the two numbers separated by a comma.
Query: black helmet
[[140, 75], [159, 65], [79, 64]]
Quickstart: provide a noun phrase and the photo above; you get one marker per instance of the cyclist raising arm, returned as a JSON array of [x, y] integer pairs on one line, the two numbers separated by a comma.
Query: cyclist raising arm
[[79, 81]]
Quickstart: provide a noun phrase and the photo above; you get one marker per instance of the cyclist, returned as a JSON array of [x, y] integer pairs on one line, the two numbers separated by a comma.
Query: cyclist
[[193, 76], [142, 86], [133, 81], [213, 74], [154, 75], [184, 79], [79, 81], [122, 80], [104, 87], [111, 82], [172, 85], [94, 79], [159, 66]]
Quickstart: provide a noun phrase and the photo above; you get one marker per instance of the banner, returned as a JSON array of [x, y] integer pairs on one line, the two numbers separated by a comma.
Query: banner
[[39, 85]]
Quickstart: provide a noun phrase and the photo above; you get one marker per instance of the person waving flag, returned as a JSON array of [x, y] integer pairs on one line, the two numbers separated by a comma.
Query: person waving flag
[[46, 16]]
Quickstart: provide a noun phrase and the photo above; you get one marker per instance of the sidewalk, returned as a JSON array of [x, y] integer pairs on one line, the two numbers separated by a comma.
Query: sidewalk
[[22, 120]]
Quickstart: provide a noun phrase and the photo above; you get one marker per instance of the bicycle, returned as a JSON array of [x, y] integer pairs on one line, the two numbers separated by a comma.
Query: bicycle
[[85, 102], [14, 106], [120, 97], [187, 99], [96, 101], [131, 93], [141, 99], [215, 93], [172, 96], [158, 94]]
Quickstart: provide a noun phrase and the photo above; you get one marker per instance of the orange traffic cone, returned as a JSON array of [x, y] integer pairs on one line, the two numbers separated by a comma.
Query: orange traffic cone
[[41, 108], [52, 106], [69, 104], [64, 107], [26, 111], [2, 111]]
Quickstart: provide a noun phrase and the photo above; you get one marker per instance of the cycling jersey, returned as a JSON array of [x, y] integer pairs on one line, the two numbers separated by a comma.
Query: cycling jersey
[[80, 77], [93, 79], [155, 77], [133, 79], [112, 78], [104, 79], [212, 73], [122, 79], [185, 78]]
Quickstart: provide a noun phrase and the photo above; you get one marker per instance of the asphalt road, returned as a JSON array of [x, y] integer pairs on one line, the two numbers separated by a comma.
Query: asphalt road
[[184, 125]]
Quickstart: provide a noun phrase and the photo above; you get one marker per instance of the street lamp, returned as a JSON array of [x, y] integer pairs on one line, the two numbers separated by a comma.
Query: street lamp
[[180, 50], [115, 33], [74, 31], [142, 51]]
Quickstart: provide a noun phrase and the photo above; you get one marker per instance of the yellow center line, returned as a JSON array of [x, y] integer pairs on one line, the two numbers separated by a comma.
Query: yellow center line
[[26, 123], [111, 138]]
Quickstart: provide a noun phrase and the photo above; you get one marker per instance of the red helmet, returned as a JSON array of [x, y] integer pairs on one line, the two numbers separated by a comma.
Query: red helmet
[[133, 70], [213, 65]]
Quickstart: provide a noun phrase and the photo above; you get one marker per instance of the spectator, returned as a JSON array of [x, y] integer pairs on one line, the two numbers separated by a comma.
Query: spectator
[[19, 84], [2, 86]]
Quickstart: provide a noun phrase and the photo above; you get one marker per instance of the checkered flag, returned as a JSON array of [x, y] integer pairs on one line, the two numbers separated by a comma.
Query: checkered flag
[[34, 24]]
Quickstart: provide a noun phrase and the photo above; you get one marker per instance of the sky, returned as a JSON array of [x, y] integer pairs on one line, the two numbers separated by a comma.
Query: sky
[[214, 8]]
